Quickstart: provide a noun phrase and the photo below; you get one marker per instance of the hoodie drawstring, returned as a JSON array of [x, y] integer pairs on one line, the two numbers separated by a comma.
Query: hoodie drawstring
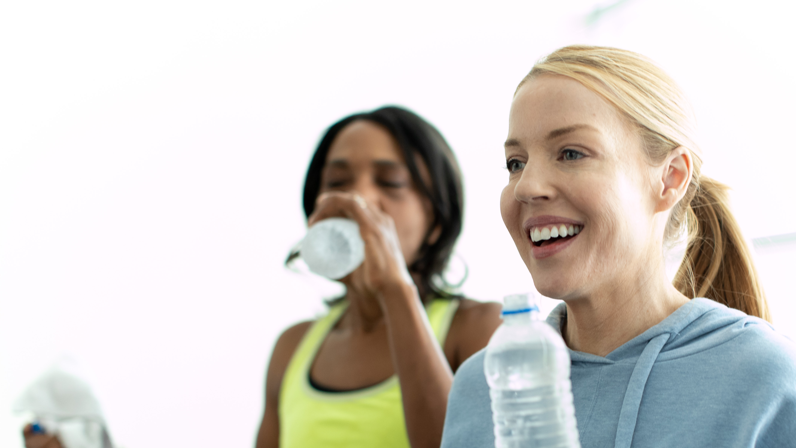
[[635, 389]]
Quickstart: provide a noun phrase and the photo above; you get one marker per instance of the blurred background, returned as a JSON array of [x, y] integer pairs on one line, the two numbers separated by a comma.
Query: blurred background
[[152, 156]]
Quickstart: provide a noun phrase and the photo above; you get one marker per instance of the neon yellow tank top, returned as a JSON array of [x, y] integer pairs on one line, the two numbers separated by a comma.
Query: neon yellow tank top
[[367, 417]]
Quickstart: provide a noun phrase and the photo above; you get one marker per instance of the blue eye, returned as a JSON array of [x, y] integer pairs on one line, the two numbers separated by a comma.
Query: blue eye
[[571, 154], [514, 165]]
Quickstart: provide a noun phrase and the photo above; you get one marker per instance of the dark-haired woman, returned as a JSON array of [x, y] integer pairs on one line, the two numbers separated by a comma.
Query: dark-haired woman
[[377, 369]]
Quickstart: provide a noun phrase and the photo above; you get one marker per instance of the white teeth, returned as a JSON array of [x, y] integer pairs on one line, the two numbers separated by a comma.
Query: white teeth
[[545, 234], [555, 231]]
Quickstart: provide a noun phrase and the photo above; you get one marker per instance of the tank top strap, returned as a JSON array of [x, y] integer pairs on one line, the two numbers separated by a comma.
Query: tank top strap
[[440, 314], [314, 337]]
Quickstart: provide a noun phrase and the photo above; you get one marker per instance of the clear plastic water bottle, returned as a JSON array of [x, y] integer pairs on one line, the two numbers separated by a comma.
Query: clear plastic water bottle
[[333, 248], [527, 367]]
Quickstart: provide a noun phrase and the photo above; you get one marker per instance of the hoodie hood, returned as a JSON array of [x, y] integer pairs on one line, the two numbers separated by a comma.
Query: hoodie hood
[[696, 326]]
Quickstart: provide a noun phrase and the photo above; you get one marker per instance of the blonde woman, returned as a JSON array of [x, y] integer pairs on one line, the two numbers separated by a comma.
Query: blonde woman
[[599, 139]]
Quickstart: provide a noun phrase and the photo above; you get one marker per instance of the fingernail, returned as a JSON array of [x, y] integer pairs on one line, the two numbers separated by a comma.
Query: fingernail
[[361, 201]]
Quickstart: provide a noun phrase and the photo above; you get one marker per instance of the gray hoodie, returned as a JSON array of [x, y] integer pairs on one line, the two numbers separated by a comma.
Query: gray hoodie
[[706, 376]]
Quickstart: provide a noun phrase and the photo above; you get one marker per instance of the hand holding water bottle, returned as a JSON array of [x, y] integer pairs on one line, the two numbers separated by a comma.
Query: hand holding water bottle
[[35, 437], [333, 248], [383, 265]]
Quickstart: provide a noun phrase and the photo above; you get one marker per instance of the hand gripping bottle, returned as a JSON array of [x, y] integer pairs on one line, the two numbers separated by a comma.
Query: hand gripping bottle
[[527, 367], [333, 248]]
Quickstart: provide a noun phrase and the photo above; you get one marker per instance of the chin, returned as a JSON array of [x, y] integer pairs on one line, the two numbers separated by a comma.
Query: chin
[[558, 289]]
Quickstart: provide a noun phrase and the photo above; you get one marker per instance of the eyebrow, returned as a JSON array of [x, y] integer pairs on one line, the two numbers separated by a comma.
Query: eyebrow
[[553, 134], [343, 163], [563, 131], [511, 142]]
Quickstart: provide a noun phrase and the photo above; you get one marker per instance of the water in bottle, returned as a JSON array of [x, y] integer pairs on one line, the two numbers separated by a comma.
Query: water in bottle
[[527, 367], [333, 248]]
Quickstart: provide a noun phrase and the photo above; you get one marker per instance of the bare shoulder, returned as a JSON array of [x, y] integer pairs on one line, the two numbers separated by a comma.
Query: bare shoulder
[[474, 309], [289, 340], [283, 351], [478, 319], [471, 328], [268, 434], [293, 334]]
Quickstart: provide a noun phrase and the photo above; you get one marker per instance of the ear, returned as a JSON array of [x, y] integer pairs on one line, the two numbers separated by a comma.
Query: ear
[[676, 174], [434, 235]]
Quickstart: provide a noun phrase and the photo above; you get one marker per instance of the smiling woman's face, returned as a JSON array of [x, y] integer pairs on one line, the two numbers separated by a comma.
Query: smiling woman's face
[[576, 166]]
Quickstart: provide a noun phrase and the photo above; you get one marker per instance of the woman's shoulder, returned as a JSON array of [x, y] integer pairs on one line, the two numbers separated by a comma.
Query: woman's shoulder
[[766, 360], [283, 352], [752, 344], [471, 328], [470, 309], [774, 353], [293, 335], [754, 336], [712, 329], [286, 346]]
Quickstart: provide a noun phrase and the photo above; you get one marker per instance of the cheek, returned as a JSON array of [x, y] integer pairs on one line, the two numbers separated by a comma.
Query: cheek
[[613, 212], [509, 209], [602, 208], [411, 223]]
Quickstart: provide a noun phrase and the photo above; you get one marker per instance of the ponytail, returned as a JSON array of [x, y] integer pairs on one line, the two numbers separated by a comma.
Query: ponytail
[[718, 263]]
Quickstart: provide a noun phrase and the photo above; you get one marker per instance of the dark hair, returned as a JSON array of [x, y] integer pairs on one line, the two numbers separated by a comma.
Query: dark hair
[[445, 192]]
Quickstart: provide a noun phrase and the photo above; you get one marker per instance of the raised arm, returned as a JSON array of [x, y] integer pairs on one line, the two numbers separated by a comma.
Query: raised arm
[[423, 370]]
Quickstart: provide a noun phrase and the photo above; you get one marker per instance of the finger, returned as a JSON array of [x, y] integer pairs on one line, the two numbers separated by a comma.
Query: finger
[[335, 204], [52, 443], [346, 205], [324, 208], [357, 198], [361, 201], [40, 441]]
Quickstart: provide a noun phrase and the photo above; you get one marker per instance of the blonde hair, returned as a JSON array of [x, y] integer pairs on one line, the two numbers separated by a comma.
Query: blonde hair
[[718, 263]]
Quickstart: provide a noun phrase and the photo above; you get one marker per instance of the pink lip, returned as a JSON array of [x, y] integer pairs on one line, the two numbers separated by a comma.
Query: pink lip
[[551, 249]]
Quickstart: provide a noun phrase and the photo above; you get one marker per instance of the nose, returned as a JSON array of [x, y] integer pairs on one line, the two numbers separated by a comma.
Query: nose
[[366, 188], [534, 185]]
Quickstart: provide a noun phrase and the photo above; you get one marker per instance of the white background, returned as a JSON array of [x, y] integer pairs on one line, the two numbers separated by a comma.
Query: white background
[[152, 155]]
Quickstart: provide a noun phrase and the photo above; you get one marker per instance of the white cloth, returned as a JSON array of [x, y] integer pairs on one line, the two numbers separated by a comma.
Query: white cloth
[[64, 404]]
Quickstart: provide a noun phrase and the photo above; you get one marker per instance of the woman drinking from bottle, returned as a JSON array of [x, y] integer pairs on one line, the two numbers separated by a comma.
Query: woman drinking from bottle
[[376, 370], [600, 142]]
